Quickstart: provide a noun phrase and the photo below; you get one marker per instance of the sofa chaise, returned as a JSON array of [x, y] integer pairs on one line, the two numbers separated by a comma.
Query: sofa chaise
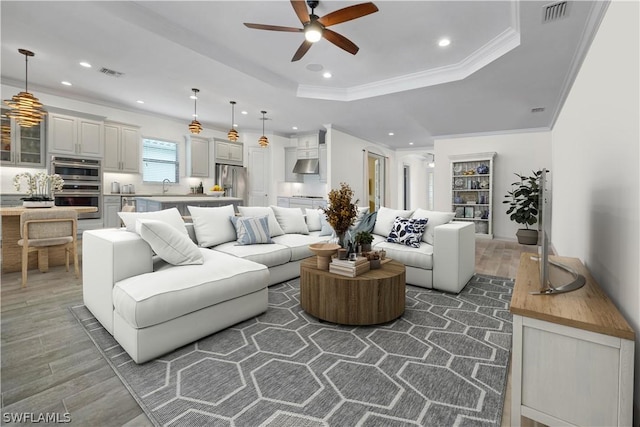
[[141, 288]]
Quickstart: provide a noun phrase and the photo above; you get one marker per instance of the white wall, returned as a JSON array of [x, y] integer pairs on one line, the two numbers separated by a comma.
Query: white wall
[[346, 163], [596, 185], [516, 152], [418, 170]]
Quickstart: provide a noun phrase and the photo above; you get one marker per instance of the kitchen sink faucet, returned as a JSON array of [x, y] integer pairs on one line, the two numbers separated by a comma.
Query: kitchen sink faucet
[[165, 181]]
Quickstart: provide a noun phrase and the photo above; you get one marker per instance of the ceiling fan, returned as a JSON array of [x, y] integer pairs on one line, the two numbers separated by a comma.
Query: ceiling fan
[[315, 27]]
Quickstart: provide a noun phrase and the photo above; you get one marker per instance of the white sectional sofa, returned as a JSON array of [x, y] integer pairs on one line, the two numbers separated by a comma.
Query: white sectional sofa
[[152, 307]]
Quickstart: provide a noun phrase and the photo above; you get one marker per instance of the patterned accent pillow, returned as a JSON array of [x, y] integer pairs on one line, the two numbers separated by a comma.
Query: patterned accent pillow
[[252, 230], [407, 231]]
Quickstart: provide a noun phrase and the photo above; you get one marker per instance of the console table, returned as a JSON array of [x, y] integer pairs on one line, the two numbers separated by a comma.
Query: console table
[[572, 360]]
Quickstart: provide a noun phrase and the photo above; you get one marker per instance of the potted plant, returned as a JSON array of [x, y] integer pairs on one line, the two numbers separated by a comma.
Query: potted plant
[[40, 188], [364, 239], [523, 206]]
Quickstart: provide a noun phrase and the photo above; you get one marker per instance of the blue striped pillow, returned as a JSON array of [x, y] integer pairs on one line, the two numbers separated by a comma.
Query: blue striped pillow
[[251, 230]]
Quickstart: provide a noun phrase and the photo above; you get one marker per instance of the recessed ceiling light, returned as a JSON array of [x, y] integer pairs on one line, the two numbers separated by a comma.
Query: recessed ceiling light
[[140, 101], [193, 97], [411, 143], [235, 125], [294, 127], [85, 64], [66, 83], [327, 75], [391, 133], [244, 112], [444, 42]]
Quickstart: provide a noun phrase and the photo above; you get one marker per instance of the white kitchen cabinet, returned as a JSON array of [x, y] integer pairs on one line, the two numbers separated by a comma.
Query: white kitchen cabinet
[[290, 157], [322, 168], [283, 202], [197, 156], [75, 135], [22, 146], [121, 148], [230, 153], [111, 207], [306, 142]]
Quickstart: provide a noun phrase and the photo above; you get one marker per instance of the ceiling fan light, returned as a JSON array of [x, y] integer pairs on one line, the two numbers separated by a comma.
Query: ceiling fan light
[[313, 32]]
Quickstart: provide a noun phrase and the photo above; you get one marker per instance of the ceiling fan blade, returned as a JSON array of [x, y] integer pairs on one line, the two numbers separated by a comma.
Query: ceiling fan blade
[[304, 47], [348, 13], [273, 28], [341, 41], [300, 7]]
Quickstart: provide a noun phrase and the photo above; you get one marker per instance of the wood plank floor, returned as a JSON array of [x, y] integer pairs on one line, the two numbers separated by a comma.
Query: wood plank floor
[[49, 365]]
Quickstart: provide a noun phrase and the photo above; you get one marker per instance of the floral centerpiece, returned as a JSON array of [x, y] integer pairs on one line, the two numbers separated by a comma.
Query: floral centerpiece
[[40, 187], [341, 212]]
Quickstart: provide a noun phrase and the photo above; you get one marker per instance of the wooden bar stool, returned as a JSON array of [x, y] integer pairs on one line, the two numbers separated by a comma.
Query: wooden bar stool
[[43, 228]]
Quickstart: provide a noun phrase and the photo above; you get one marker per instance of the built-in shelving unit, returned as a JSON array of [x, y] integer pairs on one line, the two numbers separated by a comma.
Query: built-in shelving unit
[[472, 190]]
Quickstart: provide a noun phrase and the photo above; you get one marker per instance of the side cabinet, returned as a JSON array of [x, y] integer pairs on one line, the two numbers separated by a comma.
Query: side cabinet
[[111, 207], [229, 153]]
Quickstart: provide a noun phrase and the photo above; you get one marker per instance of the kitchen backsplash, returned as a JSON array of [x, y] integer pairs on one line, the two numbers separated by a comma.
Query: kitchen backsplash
[[307, 188]]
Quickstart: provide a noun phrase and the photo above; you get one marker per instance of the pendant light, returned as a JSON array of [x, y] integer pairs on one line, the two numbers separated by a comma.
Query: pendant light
[[233, 133], [263, 141], [195, 126], [25, 108]]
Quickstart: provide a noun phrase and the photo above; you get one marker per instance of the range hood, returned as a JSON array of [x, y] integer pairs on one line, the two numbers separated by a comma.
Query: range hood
[[307, 166]]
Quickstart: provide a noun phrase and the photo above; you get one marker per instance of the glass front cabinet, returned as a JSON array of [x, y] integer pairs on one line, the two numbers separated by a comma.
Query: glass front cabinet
[[472, 190], [21, 146]]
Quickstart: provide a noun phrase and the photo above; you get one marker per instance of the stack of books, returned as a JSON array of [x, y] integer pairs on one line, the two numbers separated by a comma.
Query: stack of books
[[349, 268]]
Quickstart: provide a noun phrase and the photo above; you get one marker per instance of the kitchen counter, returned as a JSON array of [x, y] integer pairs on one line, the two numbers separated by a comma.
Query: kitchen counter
[[182, 203]]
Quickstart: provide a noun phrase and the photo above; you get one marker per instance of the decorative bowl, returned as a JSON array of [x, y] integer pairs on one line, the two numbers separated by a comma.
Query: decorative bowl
[[324, 251], [215, 193]]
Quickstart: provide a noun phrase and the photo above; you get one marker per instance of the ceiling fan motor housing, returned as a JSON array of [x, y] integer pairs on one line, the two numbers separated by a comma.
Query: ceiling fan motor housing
[[312, 3]]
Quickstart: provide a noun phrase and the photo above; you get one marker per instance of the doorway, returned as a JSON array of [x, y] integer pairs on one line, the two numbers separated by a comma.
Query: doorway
[[376, 181], [406, 185]]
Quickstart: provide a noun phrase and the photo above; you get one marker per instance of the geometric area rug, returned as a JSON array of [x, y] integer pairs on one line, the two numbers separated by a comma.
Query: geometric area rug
[[443, 363]]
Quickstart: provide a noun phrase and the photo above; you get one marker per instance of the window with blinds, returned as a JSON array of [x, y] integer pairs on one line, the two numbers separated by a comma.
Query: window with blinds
[[159, 160]]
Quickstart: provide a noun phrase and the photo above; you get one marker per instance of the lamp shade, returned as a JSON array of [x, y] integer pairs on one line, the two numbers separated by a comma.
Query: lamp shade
[[25, 108]]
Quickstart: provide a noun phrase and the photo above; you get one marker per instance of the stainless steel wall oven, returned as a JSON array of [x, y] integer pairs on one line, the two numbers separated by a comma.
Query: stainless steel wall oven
[[82, 183]]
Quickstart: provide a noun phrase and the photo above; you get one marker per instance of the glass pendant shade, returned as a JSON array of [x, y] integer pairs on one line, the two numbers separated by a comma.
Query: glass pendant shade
[[263, 141], [26, 109], [233, 133], [195, 127]]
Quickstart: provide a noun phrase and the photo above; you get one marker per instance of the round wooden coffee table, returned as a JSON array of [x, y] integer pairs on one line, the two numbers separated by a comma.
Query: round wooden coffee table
[[377, 296]]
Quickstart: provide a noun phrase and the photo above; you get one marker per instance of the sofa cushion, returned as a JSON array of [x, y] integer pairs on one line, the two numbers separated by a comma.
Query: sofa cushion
[[435, 219], [299, 244], [270, 254], [251, 230], [385, 218], [407, 231], [212, 225], [274, 226], [152, 298], [291, 220], [168, 243], [421, 257], [362, 211], [313, 219], [170, 216]]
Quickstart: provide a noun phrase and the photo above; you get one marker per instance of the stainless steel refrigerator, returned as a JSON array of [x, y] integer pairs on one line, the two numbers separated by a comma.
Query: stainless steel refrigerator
[[234, 181]]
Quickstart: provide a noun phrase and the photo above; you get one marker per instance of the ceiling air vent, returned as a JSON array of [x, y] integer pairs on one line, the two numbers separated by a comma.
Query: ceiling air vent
[[111, 73], [554, 11]]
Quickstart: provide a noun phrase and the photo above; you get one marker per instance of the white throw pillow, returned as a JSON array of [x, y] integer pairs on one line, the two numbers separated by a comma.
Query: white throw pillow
[[168, 243], [274, 227], [435, 219], [385, 218], [291, 220], [170, 216], [313, 219], [251, 230], [212, 225]]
